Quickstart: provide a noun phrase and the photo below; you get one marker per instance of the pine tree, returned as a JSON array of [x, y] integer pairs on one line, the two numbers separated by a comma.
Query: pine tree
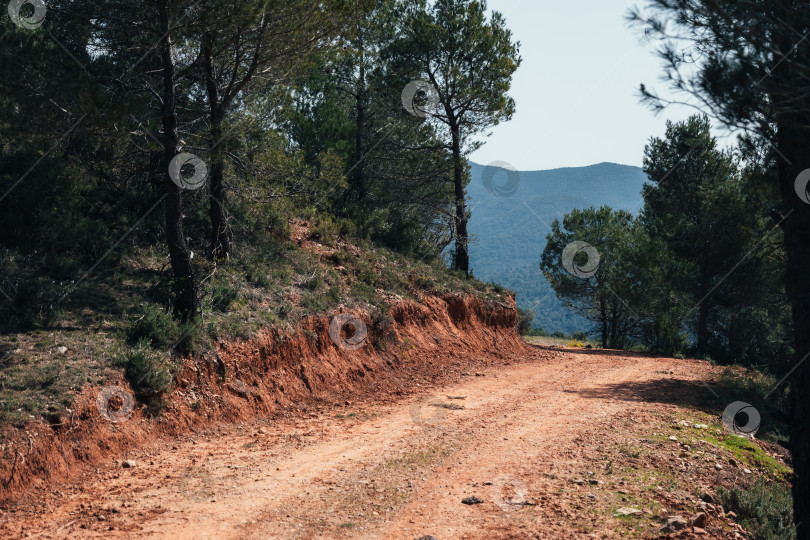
[[747, 62], [468, 62]]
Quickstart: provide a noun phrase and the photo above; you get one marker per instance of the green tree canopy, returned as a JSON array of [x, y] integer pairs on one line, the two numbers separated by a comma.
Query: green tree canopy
[[591, 261], [747, 62], [468, 61]]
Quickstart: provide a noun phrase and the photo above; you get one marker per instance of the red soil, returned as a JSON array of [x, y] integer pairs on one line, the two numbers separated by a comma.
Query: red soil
[[259, 377]]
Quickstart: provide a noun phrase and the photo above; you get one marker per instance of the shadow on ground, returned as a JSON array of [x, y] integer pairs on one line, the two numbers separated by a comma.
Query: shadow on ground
[[712, 397]]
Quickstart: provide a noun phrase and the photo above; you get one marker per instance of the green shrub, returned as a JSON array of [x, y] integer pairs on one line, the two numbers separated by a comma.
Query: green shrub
[[44, 377], [525, 318], [275, 223], [426, 283], [325, 230], [232, 326], [537, 332], [759, 391], [259, 267], [147, 371], [367, 273], [664, 335], [35, 302], [192, 338], [312, 304], [334, 294], [363, 291], [346, 228], [160, 330], [382, 327], [764, 509], [283, 272], [222, 296], [154, 325], [312, 282], [212, 330]]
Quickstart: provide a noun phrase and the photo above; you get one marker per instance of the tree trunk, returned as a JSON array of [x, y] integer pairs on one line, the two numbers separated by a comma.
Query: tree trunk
[[220, 231], [794, 141], [462, 261], [358, 178], [703, 326], [704, 275], [604, 317], [185, 303], [614, 327]]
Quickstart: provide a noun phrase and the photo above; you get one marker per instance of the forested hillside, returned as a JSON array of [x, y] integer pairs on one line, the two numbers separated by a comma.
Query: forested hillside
[[162, 165], [509, 228]]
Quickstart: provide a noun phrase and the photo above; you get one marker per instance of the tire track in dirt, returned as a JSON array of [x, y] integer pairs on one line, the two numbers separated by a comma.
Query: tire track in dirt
[[551, 421]]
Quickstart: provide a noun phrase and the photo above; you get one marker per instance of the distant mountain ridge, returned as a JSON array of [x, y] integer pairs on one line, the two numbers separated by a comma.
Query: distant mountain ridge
[[509, 228]]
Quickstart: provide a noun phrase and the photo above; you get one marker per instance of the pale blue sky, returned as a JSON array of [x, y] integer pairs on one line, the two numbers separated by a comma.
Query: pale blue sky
[[576, 90]]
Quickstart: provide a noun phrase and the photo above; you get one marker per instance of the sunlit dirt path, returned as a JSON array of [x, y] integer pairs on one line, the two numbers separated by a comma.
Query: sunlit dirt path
[[514, 436]]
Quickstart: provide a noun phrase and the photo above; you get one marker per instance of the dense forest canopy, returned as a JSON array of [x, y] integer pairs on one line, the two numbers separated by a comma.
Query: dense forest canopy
[[158, 113]]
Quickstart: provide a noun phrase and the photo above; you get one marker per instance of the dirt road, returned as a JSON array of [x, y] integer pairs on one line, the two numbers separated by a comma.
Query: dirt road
[[519, 437]]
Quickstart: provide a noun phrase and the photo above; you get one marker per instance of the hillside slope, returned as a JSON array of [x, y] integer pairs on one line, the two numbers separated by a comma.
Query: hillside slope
[[357, 321], [509, 232]]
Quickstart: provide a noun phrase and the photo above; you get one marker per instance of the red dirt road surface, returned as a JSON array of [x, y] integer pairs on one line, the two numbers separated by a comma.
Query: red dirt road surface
[[538, 437]]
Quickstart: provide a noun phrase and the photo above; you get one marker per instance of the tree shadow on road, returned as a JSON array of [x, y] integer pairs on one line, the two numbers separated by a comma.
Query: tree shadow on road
[[711, 396]]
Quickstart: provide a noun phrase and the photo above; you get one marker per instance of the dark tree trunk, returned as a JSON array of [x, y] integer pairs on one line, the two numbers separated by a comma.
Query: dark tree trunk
[[462, 237], [185, 303], [604, 317], [358, 177], [704, 285], [614, 327], [704, 278], [794, 140], [220, 231], [703, 327]]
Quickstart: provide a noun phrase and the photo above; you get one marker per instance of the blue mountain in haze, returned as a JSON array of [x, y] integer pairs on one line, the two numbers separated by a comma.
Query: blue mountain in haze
[[509, 231]]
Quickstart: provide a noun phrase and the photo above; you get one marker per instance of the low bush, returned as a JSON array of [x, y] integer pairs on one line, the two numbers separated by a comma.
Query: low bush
[[155, 325], [223, 295], [536, 332], [147, 370], [764, 509], [524, 324]]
